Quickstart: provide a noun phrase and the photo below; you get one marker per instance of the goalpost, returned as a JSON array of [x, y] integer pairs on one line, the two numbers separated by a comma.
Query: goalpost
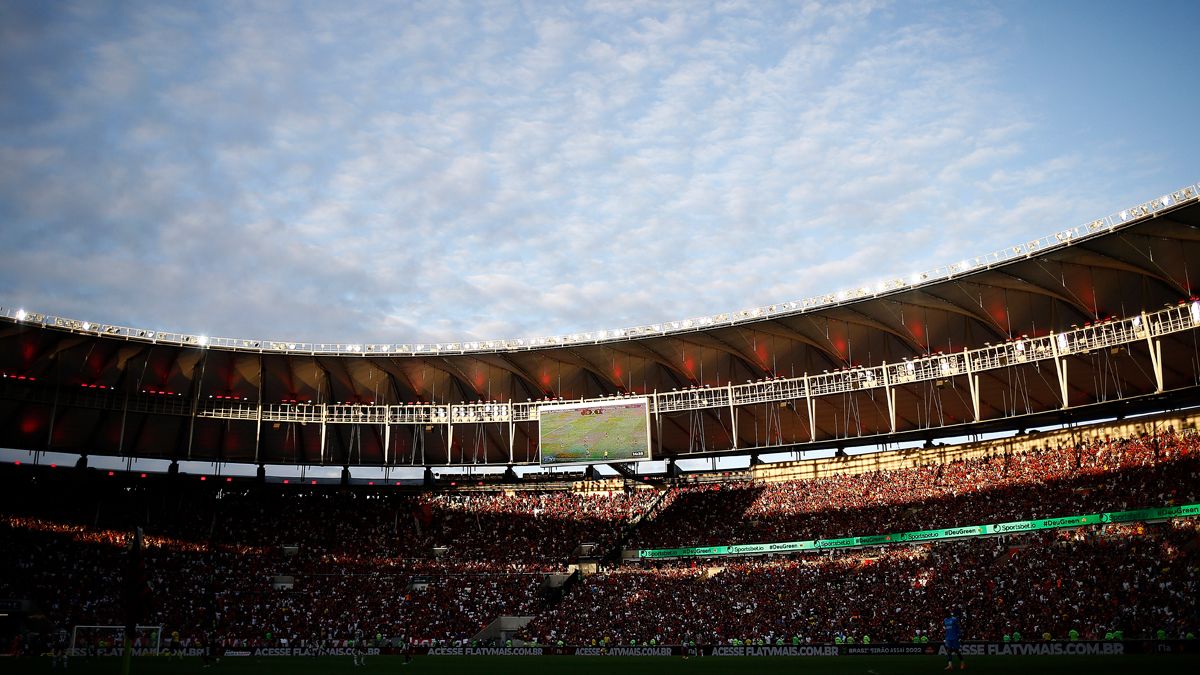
[[148, 638]]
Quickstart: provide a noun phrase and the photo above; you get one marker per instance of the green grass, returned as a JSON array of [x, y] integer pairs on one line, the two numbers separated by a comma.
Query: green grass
[[584, 665]]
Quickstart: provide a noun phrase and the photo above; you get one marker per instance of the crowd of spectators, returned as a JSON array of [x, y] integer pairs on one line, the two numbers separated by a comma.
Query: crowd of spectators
[[1094, 581], [533, 528], [426, 566], [1107, 475], [270, 566]]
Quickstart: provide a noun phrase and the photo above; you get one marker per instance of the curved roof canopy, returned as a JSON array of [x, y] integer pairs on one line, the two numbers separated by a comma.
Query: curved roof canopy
[[792, 375]]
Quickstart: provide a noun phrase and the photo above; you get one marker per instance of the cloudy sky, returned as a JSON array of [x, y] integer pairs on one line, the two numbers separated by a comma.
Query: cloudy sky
[[442, 170]]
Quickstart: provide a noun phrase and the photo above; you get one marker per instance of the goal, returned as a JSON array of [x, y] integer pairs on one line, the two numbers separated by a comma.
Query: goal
[[108, 638]]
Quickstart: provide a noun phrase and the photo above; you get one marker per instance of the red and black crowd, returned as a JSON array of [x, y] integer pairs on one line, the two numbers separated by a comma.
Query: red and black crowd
[[267, 566]]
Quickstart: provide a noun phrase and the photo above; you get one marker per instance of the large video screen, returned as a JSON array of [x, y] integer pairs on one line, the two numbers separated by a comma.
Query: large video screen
[[595, 433]]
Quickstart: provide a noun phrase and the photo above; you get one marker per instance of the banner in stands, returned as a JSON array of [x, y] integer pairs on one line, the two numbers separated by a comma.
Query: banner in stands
[[1081, 648], [786, 650], [1053, 648], [969, 649], [480, 651], [626, 651], [891, 649], [1162, 513], [266, 651]]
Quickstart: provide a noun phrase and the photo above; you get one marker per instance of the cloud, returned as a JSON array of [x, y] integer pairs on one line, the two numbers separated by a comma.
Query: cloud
[[456, 171]]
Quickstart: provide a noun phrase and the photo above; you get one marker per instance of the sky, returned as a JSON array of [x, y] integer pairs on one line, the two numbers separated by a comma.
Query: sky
[[445, 171]]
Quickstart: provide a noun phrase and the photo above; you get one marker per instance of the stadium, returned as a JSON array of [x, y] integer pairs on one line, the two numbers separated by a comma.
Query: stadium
[[592, 336], [1014, 436]]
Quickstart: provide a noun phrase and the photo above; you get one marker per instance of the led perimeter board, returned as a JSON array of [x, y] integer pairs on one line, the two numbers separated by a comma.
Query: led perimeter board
[[594, 433]]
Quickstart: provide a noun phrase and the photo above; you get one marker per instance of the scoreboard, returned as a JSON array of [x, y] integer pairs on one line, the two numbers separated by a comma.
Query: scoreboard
[[594, 433]]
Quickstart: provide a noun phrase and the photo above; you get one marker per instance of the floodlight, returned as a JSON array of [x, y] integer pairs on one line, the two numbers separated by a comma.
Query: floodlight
[[87, 326], [203, 340], [1196, 311], [21, 315]]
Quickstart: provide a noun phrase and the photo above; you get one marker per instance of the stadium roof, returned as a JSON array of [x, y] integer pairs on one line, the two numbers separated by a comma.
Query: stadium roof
[[1069, 325]]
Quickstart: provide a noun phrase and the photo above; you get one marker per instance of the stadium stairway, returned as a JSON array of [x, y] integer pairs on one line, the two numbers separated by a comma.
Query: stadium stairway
[[554, 588], [501, 629], [615, 555]]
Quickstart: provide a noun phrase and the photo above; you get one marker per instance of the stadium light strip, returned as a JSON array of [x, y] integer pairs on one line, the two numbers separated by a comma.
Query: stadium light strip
[[924, 536], [1060, 239]]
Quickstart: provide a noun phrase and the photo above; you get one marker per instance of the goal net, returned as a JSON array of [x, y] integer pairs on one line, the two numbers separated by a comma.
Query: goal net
[[103, 640]]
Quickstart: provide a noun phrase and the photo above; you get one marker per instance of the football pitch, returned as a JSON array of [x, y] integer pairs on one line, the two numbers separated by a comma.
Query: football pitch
[[625, 665]]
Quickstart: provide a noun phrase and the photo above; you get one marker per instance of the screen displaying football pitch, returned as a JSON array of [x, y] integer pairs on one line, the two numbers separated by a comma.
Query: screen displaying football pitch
[[594, 433]]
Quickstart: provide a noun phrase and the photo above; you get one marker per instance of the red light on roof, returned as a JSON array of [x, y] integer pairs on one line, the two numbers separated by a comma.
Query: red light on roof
[[17, 463], [229, 479], [53, 466], [314, 482], [286, 481], [143, 476], [397, 482], [203, 477], [370, 482], [110, 473]]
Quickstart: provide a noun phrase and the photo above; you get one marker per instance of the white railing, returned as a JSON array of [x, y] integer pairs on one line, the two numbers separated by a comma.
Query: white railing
[[971, 265]]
